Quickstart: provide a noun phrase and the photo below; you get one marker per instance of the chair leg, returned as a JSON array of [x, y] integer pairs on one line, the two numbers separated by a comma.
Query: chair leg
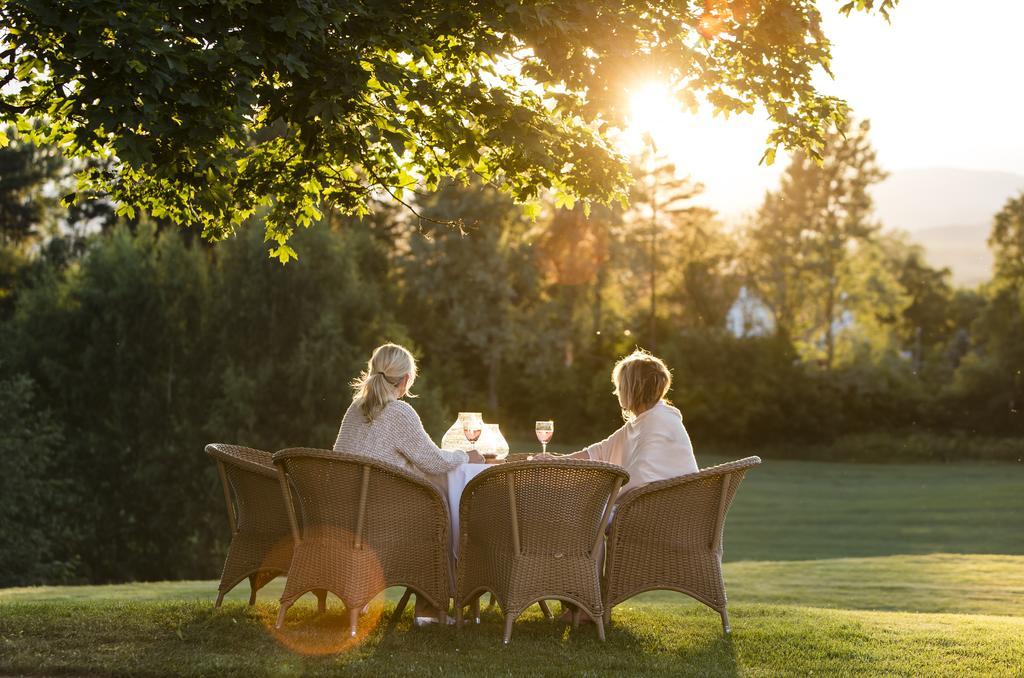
[[600, 627], [443, 617], [476, 609], [252, 590], [280, 615], [220, 599], [544, 608], [321, 600], [725, 621], [353, 621], [607, 617], [491, 603], [400, 608], [458, 616], [509, 618], [576, 614]]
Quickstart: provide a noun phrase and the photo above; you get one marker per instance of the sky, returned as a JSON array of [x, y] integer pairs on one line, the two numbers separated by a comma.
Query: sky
[[941, 85]]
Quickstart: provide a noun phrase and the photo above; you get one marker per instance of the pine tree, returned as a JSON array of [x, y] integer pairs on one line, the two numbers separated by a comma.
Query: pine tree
[[660, 212], [804, 232]]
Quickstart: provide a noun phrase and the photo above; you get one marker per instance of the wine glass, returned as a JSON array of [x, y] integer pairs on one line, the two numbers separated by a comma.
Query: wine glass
[[544, 430], [472, 427]]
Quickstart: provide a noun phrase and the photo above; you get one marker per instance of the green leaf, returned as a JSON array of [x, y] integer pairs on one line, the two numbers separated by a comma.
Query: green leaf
[[283, 253], [564, 200], [405, 180]]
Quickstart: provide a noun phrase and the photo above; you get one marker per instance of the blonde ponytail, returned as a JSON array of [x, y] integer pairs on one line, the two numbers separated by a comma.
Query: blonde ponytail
[[378, 384]]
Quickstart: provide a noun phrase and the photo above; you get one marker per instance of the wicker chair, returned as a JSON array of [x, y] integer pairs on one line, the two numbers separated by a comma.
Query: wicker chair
[[261, 543], [532, 531], [366, 526], [668, 535]]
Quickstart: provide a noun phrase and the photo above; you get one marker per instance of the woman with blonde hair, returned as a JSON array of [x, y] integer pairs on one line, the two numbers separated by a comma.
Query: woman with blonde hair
[[379, 425], [653, 443]]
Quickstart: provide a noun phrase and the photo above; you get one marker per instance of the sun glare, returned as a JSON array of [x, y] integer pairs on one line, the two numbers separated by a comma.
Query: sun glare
[[654, 111], [722, 153], [657, 116]]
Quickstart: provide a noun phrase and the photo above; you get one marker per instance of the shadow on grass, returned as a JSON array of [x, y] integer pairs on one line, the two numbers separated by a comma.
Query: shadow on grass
[[143, 639], [546, 647]]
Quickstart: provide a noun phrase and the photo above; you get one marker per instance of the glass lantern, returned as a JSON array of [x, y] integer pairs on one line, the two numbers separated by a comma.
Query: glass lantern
[[455, 438]]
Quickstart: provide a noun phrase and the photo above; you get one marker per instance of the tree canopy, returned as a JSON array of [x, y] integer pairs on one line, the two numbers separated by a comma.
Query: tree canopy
[[1007, 241], [216, 108], [805, 231]]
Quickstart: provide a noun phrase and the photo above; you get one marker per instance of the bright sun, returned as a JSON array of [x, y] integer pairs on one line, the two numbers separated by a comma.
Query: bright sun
[[681, 135], [719, 152], [653, 110]]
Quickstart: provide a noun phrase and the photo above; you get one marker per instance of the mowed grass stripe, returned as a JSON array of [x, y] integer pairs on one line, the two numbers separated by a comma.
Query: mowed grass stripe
[[191, 638], [798, 510], [971, 584]]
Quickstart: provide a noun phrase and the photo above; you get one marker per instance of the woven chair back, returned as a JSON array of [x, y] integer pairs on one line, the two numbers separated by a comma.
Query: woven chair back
[[261, 544], [669, 535], [254, 487], [688, 512], [532, 531], [358, 514], [558, 507]]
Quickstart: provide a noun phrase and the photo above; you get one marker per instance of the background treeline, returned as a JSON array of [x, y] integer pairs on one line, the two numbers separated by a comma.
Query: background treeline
[[125, 345]]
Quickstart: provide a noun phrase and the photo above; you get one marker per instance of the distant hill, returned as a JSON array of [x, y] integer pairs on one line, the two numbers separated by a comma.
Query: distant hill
[[962, 249], [914, 200], [949, 212]]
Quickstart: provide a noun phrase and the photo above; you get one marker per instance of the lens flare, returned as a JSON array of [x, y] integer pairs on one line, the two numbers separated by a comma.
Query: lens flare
[[710, 26], [308, 632], [712, 22]]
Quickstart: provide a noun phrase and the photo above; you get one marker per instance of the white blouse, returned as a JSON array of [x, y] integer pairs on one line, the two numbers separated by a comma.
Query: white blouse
[[652, 446]]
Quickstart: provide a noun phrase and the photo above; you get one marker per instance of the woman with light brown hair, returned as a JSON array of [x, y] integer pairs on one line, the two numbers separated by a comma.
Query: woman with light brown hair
[[653, 443]]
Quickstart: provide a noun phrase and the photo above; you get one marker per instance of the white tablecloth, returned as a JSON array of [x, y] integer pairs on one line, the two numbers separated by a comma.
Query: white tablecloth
[[457, 481]]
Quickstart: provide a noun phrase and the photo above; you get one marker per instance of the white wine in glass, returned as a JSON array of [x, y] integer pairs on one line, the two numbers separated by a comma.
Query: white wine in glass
[[545, 430]]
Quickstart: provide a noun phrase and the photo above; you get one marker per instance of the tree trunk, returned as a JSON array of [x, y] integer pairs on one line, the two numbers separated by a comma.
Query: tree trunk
[[652, 333], [597, 309], [571, 297], [918, 351], [653, 289], [493, 374], [830, 310]]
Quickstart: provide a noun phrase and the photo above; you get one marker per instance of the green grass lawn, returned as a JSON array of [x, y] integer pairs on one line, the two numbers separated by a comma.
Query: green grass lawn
[[798, 510], [835, 569], [898, 615], [990, 585], [646, 638]]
